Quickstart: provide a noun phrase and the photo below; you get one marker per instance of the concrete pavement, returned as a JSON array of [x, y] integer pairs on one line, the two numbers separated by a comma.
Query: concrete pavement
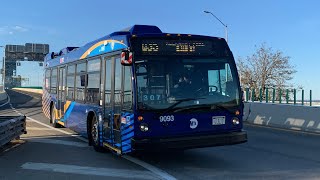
[[48, 153]]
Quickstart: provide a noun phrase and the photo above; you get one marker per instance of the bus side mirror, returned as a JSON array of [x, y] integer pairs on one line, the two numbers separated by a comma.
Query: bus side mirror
[[126, 58]]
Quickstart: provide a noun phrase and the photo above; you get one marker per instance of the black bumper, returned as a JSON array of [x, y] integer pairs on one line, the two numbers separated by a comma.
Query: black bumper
[[190, 142]]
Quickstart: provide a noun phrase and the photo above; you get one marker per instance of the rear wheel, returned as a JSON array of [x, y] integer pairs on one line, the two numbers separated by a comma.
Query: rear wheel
[[53, 118], [94, 135]]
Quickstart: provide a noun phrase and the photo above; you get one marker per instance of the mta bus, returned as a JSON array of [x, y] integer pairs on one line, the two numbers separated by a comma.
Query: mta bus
[[141, 89]]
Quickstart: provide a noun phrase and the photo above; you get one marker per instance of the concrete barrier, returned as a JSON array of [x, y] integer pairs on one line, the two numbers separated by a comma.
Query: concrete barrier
[[3, 96], [304, 118], [38, 91]]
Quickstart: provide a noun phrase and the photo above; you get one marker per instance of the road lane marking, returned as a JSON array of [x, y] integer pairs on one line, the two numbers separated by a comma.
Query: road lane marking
[[14, 146], [45, 136], [143, 164], [282, 129], [155, 170], [38, 129], [85, 170], [60, 142], [59, 130], [162, 174]]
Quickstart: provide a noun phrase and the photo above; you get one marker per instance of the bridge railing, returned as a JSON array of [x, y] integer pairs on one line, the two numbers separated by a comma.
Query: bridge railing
[[281, 96]]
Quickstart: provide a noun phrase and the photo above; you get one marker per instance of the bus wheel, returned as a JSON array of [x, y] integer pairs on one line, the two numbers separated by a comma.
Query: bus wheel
[[53, 118], [94, 135]]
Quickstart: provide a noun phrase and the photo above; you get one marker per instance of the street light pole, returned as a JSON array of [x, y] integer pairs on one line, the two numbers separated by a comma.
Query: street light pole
[[3, 66], [225, 26]]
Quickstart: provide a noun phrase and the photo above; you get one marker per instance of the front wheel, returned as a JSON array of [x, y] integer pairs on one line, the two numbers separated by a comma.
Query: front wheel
[[94, 135], [53, 118]]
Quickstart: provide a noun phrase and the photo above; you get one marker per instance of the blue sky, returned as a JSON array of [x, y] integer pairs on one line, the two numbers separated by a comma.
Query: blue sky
[[290, 26]]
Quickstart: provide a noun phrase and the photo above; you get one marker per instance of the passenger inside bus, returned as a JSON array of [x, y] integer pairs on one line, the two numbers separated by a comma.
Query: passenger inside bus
[[184, 82]]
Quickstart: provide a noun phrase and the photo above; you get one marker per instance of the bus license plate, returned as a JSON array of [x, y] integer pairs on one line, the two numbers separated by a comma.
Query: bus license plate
[[218, 120]]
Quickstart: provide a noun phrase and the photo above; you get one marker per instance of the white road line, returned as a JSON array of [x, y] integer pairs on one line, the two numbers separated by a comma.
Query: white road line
[[59, 130], [282, 129], [38, 129], [143, 164], [45, 136], [151, 168], [85, 170], [16, 145], [60, 142]]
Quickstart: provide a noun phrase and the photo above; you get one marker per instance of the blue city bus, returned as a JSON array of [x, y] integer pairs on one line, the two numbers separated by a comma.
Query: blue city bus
[[141, 89]]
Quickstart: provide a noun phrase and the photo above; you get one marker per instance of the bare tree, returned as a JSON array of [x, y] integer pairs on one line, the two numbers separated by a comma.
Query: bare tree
[[265, 68]]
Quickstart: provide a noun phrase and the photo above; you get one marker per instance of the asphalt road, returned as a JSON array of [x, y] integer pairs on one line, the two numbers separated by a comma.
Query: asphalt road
[[60, 154]]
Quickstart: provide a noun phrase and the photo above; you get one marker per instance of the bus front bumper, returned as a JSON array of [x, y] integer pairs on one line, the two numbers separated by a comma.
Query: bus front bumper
[[190, 142]]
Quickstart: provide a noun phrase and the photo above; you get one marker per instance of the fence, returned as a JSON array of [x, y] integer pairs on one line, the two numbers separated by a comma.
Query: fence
[[11, 127], [272, 95]]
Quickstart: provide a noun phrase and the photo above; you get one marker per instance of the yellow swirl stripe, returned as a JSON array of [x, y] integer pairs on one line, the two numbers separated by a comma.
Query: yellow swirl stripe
[[84, 55]]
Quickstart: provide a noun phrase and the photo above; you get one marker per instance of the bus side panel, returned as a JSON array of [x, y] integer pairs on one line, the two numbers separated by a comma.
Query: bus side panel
[[46, 99], [127, 131], [76, 117]]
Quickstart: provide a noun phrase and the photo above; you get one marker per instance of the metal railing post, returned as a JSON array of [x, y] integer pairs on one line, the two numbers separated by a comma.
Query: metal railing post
[[302, 98], [287, 96], [294, 96], [310, 97]]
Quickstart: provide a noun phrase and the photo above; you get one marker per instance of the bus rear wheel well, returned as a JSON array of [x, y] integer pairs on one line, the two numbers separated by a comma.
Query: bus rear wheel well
[[51, 106], [90, 116]]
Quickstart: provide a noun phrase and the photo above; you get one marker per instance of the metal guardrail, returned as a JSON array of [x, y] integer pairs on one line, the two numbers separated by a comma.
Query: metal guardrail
[[280, 96], [11, 127]]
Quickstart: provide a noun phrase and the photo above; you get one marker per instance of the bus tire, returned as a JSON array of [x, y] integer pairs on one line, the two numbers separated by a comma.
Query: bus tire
[[53, 121], [94, 134]]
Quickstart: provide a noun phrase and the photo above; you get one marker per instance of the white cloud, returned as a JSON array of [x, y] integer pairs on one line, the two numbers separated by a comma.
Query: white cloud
[[20, 28], [5, 30]]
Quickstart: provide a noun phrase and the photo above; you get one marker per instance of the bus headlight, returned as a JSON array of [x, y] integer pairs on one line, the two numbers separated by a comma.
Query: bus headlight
[[144, 127], [235, 121]]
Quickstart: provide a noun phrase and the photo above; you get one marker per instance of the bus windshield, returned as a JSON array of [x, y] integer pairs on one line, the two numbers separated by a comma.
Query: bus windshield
[[175, 82]]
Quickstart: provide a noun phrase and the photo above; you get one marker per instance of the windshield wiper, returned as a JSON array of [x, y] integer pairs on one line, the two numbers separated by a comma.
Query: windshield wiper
[[211, 106], [179, 101], [219, 106]]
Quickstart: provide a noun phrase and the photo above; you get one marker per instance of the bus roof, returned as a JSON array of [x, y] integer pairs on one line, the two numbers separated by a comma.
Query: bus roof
[[112, 42]]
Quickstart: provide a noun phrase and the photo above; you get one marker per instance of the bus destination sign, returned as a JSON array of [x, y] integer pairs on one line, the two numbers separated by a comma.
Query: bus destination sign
[[175, 47]]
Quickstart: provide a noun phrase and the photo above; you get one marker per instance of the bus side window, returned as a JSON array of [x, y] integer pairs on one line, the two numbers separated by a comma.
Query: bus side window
[[93, 81], [127, 87], [70, 82], [54, 76], [47, 80], [117, 87], [108, 83], [80, 82]]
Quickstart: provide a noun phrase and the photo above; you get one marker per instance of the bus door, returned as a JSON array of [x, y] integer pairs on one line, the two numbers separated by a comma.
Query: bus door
[[119, 122], [108, 101], [117, 99], [61, 91], [110, 107]]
